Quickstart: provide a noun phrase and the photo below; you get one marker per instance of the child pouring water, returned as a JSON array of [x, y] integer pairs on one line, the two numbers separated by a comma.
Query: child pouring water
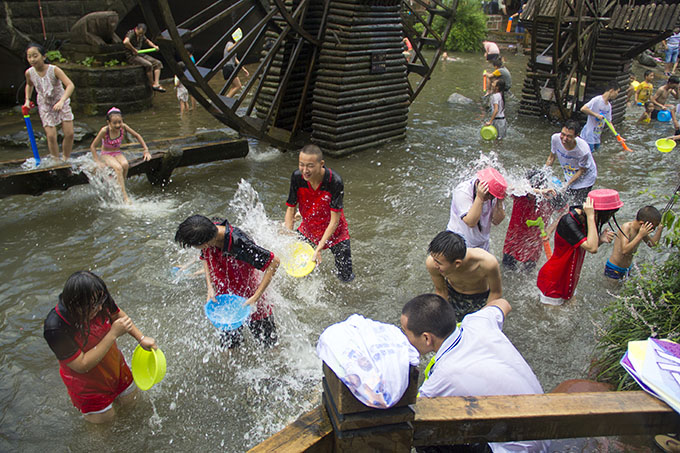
[[578, 232], [111, 137], [626, 244], [497, 108], [82, 330], [54, 89]]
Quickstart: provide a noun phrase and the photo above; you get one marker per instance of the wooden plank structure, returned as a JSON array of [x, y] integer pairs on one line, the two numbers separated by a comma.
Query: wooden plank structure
[[329, 71], [166, 155], [577, 46], [453, 420]]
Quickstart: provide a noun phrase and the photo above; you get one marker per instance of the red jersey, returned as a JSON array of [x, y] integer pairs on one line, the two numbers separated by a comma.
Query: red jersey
[[560, 274], [522, 242], [316, 206], [96, 389], [234, 268]]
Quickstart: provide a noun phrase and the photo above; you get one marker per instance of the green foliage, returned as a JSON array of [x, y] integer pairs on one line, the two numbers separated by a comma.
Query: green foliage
[[648, 306], [468, 30], [110, 63], [55, 56], [89, 61]]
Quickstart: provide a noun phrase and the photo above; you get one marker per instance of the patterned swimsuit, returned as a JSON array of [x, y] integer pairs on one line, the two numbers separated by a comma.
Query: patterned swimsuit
[[111, 147]]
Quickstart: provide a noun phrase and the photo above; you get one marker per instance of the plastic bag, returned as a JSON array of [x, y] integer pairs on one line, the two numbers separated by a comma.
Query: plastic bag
[[371, 358]]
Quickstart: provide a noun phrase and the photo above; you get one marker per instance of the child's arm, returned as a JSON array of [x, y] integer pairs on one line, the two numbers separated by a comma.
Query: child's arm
[[144, 341], [139, 138], [148, 41], [630, 246], [644, 116], [266, 279], [654, 240], [28, 90], [437, 279], [93, 146], [585, 109], [655, 99], [493, 114], [575, 177], [498, 213], [592, 240], [69, 87], [208, 282]]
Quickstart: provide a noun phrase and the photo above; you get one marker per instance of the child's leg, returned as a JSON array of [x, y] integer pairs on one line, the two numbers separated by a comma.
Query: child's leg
[[181, 107], [52, 144], [235, 86], [112, 162], [67, 144], [128, 397], [103, 417], [193, 103], [125, 165]]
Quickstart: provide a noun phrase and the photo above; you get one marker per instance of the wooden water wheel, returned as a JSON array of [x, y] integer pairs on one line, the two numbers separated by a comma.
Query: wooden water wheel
[[564, 34], [295, 43]]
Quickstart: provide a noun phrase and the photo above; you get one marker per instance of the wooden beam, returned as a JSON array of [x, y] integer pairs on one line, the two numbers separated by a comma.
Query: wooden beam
[[455, 420], [311, 433]]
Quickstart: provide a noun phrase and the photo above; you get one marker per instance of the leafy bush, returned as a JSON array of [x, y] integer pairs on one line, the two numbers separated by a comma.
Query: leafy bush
[[55, 56], [468, 30], [110, 63], [89, 61], [648, 306]]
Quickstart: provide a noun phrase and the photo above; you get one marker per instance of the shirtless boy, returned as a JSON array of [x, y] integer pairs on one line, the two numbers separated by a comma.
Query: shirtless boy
[[466, 277], [660, 98], [647, 219]]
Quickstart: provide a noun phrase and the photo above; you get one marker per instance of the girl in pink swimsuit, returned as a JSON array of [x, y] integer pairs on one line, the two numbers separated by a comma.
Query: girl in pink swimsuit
[[111, 137], [54, 89]]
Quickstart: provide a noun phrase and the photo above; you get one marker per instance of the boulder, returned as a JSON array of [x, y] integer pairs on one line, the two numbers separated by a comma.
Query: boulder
[[81, 131], [646, 59], [459, 99]]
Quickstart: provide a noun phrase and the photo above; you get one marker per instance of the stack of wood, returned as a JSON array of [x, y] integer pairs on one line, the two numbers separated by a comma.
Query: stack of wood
[[361, 94]]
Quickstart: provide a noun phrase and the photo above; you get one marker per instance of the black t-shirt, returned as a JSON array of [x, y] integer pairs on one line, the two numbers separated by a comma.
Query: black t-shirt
[[239, 245], [60, 333], [570, 227]]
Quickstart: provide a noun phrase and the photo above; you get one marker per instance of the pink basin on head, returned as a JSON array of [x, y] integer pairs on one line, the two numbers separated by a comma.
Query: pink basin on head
[[605, 199], [495, 180]]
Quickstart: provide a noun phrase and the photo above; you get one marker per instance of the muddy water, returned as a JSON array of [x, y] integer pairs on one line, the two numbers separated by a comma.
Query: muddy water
[[397, 199]]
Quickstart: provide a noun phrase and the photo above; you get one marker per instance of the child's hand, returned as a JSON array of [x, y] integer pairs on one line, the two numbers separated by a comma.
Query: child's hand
[[482, 189], [27, 104], [645, 229], [317, 257], [121, 326], [148, 343], [607, 236], [147, 155], [58, 106], [588, 207], [487, 123], [250, 301]]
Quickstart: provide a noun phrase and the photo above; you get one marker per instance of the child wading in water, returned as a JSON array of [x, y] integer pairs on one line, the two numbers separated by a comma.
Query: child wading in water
[[54, 105], [626, 244], [578, 232], [81, 331], [111, 137], [182, 93], [497, 108]]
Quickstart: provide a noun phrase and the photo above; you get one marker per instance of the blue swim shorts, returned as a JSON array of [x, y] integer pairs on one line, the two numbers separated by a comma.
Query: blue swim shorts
[[615, 272]]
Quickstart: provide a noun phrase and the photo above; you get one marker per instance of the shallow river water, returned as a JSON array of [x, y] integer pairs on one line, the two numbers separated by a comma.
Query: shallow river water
[[397, 198]]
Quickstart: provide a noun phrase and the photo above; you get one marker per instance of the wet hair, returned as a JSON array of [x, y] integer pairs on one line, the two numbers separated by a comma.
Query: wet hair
[[113, 111], [497, 62], [571, 125], [448, 244], [537, 178], [649, 214], [312, 150], [195, 231], [613, 85], [673, 79], [430, 313], [181, 66], [647, 72], [141, 26], [83, 293], [648, 104], [40, 48], [189, 48], [603, 217]]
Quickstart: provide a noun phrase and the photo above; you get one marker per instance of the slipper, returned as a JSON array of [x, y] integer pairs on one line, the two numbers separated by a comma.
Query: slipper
[[667, 443], [159, 88]]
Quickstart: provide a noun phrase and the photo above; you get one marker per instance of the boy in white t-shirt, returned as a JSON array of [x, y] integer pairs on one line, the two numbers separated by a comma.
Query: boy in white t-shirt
[[598, 109], [578, 165]]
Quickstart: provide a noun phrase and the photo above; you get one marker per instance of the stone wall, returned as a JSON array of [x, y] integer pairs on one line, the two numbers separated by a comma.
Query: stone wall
[[99, 89]]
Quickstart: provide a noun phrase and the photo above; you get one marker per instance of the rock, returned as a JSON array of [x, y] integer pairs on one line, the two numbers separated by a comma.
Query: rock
[[646, 59], [82, 132], [459, 99]]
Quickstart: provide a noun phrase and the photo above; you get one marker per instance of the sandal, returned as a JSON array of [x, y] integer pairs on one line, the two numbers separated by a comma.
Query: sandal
[[667, 443], [159, 89]]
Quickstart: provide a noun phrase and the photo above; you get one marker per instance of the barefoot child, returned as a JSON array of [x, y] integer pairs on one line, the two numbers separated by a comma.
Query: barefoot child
[[626, 244], [82, 331], [54, 89], [111, 137], [578, 232], [182, 93], [646, 116], [645, 89]]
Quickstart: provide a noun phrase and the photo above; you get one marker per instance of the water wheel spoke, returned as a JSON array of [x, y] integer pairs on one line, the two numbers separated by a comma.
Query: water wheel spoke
[[195, 32], [218, 46], [428, 26]]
